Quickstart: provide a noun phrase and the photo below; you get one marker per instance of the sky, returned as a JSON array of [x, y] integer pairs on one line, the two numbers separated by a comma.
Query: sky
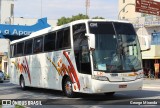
[[55, 9]]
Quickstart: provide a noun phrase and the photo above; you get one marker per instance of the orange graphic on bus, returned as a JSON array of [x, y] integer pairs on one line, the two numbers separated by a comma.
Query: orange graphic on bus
[[22, 67], [63, 69]]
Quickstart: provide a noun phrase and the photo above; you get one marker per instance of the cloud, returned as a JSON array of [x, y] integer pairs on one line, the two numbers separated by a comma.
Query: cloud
[[54, 9]]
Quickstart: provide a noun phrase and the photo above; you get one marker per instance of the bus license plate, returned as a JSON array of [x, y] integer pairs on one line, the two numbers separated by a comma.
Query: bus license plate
[[123, 86]]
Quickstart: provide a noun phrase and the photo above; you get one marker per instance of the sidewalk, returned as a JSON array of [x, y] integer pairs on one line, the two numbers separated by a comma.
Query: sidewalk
[[151, 83]]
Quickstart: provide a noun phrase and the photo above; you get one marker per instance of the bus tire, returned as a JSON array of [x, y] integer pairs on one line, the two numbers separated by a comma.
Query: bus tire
[[22, 83], [109, 93], [67, 88]]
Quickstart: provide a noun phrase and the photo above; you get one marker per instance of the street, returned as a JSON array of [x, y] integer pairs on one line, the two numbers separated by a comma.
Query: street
[[52, 97]]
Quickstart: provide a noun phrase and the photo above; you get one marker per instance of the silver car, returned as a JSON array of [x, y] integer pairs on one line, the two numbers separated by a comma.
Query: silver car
[[2, 77]]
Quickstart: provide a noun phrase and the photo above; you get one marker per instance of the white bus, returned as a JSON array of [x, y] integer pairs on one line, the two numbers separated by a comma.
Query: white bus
[[87, 56]]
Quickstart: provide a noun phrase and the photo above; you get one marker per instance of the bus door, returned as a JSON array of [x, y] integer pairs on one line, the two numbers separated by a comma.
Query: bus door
[[82, 57], [85, 67]]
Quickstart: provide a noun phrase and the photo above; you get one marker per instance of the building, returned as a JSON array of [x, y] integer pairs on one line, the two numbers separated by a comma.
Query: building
[[145, 25], [12, 32], [4, 54], [7, 15], [126, 9], [12, 28]]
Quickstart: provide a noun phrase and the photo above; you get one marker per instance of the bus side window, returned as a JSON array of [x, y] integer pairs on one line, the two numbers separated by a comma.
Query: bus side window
[[28, 46], [20, 48], [63, 39], [14, 50], [38, 45], [66, 38], [59, 40], [49, 42], [11, 51]]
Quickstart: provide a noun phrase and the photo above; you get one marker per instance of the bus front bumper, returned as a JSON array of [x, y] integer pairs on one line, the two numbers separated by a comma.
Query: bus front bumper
[[106, 86]]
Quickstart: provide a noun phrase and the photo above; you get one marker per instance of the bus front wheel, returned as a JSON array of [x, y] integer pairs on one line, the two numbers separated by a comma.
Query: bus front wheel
[[22, 83], [67, 88]]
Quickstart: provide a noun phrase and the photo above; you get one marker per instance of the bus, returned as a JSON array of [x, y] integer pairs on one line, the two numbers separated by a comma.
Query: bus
[[86, 56]]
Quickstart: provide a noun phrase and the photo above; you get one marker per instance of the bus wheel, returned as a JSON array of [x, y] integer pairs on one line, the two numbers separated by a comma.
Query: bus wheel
[[109, 93], [22, 83], [68, 88]]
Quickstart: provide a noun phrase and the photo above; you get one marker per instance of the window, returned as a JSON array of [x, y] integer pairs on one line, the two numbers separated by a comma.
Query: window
[[38, 45], [12, 10], [28, 46], [20, 47], [63, 39], [59, 39], [66, 38], [15, 50], [81, 49], [124, 10], [123, 1], [11, 51], [155, 38], [49, 42]]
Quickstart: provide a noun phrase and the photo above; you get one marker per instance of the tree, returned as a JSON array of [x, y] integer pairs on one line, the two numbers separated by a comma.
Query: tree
[[97, 17], [64, 20]]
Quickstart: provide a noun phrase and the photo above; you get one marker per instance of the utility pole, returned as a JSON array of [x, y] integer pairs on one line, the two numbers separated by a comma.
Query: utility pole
[[87, 7], [41, 8]]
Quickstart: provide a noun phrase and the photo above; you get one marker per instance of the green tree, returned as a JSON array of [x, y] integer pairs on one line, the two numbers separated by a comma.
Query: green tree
[[97, 17], [64, 20]]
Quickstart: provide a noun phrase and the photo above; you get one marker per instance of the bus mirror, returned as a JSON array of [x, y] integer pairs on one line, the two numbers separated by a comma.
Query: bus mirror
[[147, 43], [91, 38]]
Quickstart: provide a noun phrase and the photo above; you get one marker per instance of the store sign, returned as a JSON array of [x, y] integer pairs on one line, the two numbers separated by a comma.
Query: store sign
[[15, 32], [148, 7]]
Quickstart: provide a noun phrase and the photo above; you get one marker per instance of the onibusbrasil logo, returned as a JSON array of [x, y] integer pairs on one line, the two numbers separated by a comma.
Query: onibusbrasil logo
[[21, 102]]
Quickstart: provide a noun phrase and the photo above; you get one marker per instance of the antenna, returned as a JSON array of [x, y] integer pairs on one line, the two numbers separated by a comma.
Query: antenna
[[87, 7]]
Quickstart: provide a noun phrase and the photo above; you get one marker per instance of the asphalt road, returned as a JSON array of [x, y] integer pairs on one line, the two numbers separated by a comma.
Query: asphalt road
[[57, 99]]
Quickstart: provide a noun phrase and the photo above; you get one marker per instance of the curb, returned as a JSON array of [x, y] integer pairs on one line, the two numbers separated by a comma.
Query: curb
[[151, 86]]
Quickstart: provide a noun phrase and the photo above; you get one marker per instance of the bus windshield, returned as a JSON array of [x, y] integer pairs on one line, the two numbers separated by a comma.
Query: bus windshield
[[116, 48]]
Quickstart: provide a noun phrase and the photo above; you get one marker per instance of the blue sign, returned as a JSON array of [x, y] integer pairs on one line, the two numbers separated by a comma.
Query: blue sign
[[155, 39], [7, 31]]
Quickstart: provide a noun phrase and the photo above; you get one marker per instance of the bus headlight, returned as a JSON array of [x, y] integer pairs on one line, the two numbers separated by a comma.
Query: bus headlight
[[102, 78], [139, 76]]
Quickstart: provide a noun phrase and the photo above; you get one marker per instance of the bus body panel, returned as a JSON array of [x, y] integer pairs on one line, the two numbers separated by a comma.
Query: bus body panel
[[42, 70]]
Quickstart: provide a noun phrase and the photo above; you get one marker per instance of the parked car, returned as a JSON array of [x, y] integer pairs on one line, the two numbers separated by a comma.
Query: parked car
[[2, 76]]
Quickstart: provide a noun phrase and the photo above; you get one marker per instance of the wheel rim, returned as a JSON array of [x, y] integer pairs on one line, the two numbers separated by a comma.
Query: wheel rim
[[22, 84], [68, 87]]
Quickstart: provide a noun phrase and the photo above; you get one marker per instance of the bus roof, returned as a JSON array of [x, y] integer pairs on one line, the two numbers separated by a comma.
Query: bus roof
[[49, 29]]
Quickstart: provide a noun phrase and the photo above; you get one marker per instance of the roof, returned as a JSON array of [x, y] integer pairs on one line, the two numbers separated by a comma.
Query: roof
[[49, 29]]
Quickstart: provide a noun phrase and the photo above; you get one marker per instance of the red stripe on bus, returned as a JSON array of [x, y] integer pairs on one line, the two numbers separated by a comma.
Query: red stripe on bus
[[28, 72], [72, 70]]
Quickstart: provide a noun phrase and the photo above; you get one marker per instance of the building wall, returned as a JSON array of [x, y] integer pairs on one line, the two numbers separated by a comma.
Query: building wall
[[4, 54], [127, 9], [7, 8]]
